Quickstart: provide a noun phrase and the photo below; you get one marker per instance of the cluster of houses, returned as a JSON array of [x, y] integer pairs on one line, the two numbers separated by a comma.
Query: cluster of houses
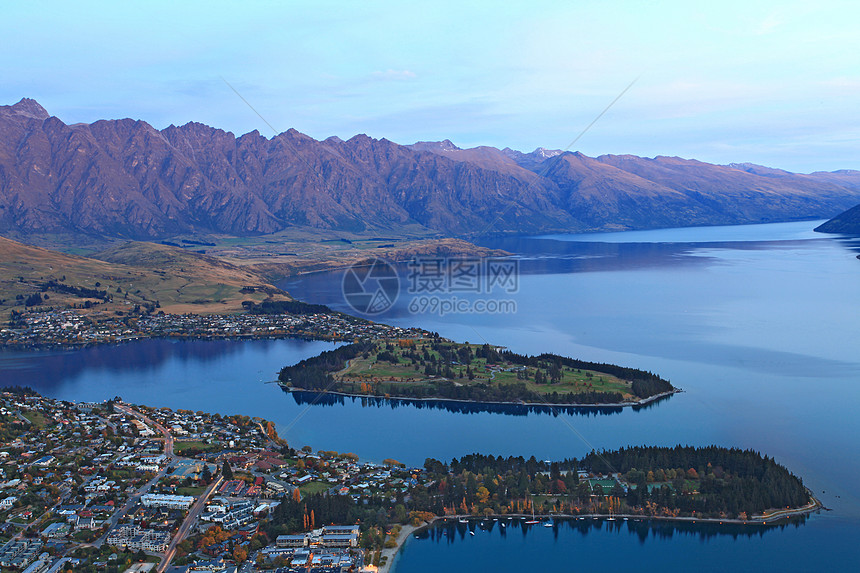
[[64, 452], [20, 553], [231, 514], [137, 538], [69, 327], [325, 549], [97, 459], [345, 476], [329, 537]]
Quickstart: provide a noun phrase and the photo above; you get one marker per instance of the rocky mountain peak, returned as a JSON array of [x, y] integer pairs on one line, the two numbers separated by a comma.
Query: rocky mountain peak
[[544, 153], [28, 108], [446, 145]]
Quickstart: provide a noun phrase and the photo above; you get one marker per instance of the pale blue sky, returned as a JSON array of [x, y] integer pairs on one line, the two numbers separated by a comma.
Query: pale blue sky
[[776, 83]]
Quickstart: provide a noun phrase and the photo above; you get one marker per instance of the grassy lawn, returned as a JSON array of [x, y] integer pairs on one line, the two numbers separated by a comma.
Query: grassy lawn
[[194, 491], [180, 447], [606, 484], [313, 487], [36, 418], [573, 381]]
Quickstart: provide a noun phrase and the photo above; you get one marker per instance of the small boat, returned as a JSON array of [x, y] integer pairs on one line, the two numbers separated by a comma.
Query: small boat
[[471, 532], [463, 520], [532, 521], [548, 523]]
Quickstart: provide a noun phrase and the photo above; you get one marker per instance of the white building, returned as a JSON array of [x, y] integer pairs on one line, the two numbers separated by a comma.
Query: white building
[[168, 501]]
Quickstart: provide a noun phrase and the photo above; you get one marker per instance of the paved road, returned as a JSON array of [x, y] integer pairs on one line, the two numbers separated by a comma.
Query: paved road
[[195, 510], [186, 526], [168, 438], [132, 500]]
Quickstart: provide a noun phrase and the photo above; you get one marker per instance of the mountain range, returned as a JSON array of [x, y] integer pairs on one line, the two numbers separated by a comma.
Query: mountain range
[[125, 179]]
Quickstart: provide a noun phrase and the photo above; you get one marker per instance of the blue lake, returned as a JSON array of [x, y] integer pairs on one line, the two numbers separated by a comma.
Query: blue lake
[[758, 324]]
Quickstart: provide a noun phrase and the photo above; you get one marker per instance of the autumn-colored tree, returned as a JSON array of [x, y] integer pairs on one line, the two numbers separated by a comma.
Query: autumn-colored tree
[[483, 494], [239, 554]]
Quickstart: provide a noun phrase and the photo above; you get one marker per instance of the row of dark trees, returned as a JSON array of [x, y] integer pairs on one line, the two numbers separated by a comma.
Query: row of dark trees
[[78, 291], [293, 516], [285, 307], [514, 392], [315, 373]]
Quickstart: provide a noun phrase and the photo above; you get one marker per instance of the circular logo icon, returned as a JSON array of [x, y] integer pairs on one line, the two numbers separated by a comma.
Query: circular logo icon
[[371, 287]]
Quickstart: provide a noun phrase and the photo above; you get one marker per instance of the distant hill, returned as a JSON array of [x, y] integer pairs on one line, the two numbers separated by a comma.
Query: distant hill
[[136, 274], [847, 223], [125, 179]]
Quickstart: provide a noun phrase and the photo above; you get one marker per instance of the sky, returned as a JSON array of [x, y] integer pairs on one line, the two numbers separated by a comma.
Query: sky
[[773, 83]]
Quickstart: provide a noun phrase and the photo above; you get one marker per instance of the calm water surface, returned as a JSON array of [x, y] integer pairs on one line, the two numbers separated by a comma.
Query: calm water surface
[[758, 324]]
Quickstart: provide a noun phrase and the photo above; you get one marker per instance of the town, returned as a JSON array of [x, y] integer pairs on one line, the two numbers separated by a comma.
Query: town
[[115, 487], [68, 327]]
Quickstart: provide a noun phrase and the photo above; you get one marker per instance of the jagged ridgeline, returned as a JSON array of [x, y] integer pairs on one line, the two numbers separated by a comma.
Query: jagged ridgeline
[[712, 481], [441, 369]]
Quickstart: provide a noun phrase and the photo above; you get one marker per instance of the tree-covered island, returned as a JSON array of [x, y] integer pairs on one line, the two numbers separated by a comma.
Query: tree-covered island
[[437, 368]]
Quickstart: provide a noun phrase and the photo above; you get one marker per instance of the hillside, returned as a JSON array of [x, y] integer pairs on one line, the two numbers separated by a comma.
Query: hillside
[[124, 179], [142, 275], [847, 223]]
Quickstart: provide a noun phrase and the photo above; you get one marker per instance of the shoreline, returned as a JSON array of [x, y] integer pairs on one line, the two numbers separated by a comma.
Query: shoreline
[[48, 346], [640, 402], [393, 552], [778, 516]]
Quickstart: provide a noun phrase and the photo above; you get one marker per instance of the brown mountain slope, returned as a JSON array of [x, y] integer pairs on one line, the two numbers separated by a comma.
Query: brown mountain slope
[[847, 223], [125, 179], [130, 275]]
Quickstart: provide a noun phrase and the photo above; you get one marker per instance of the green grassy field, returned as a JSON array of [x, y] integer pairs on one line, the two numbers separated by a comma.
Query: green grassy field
[[313, 487], [193, 491], [184, 446], [372, 369], [36, 418]]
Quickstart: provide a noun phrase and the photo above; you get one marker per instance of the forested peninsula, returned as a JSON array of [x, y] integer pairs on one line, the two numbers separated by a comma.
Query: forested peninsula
[[674, 483], [438, 369]]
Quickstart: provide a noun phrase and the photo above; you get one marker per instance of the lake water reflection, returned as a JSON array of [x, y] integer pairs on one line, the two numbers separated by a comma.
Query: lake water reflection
[[758, 324]]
